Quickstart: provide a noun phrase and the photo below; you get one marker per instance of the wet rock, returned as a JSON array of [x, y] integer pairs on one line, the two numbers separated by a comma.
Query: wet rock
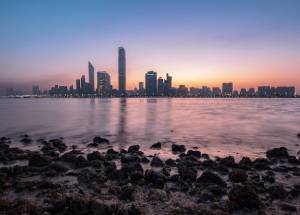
[[293, 160], [99, 140], [277, 153], [295, 192], [228, 161], [156, 146], [298, 135], [193, 153], [261, 164], [245, 163], [126, 193], [244, 196], [130, 159], [156, 195], [157, 162], [238, 176], [187, 172], [95, 155], [205, 156], [277, 191], [170, 162], [39, 160], [26, 139], [269, 179], [132, 167], [81, 162], [155, 178], [136, 176], [59, 144], [178, 148], [209, 177], [58, 167], [133, 149], [287, 207]]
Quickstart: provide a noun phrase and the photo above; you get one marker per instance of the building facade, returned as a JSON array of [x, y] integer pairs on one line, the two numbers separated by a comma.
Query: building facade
[[151, 83], [122, 71], [103, 84], [91, 78]]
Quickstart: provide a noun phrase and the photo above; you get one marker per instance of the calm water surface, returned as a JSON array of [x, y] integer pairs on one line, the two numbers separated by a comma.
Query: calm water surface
[[240, 127]]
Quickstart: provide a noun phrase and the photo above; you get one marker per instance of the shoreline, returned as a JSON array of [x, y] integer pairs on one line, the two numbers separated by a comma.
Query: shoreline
[[59, 179]]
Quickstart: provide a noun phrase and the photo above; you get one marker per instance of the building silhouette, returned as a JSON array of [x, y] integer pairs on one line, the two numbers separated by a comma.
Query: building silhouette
[[78, 89], [168, 85], [151, 83], [91, 78], [83, 85], [36, 90], [160, 86], [103, 84], [227, 89], [122, 71]]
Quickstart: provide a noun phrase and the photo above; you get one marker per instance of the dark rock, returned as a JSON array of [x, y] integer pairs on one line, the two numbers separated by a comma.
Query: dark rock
[[238, 176], [58, 143], [209, 177], [287, 207], [295, 192], [155, 178], [156, 146], [293, 160], [277, 191], [132, 167], [127, 193], [26, 139], [178, 148], [81, 162], [144, 159], [277, 153], [244, 197], [70, 156], [100, 140], [261, 164], [130, 158], [268, 178], [157, 162], [170, 162], [133, 149], [112, 152], [228, 161], [95, 155], [298, 135], [39, 160], [187, 172], [193, 153], [58, 167], [136, 176], [205, 156]]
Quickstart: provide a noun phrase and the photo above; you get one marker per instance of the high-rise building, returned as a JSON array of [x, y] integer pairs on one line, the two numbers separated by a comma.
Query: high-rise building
[[243, 92], [122, 71], [227, 89], [141, 89], [103, 84], [264, 91], [83, 85], [36, 90], [216, 92], [151, 83], [160, 86], [91, 78], [78, 86], [168, 85]]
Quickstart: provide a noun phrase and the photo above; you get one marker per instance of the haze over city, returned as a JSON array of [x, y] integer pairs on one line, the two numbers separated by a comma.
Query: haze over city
[[201, 43]]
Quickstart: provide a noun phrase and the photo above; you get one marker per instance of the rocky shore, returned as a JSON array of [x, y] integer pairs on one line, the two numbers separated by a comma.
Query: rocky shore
[[59, 179]]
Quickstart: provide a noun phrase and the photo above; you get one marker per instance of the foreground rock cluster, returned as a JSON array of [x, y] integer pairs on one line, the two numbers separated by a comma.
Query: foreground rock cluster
[[62, 180]]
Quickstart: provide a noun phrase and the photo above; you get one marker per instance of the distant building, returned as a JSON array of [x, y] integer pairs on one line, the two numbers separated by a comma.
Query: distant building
[[235, 93], [285, 91], [141, 89], [83, 85], [205, 92], [264, 91], [227, 89], [78, 89], [103, 84], [91, 78], [251, 92], [36, 90], [122, 71], [71, 90], [168, 85], [195, 91], [160, 86], [182, 91], [216, 92], [151, 83], [243, 92]]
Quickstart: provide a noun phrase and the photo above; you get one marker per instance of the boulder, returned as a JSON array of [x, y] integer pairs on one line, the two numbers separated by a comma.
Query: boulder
[[228, 161], [126, 193], [156, 146], [244, 197], [277, 191], [155, 178], [133, 149], [194, 153], [170, 162], [100, 140], [95, 155], [59, 144], [178, 148], [187, 172], [277, 153], [238, 176], [209, 177], [39, 160], [157, 162]]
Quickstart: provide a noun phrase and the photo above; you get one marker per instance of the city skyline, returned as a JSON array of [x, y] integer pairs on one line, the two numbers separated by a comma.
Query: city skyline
[[250, 43]]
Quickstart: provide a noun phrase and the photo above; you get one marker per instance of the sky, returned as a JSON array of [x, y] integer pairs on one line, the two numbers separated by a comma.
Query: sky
[[200, 43]]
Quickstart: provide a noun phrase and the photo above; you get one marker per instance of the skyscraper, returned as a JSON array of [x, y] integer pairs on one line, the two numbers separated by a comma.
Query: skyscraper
[[83, 85], [91, 78], [227, 89], [151, 83], [122, 71], [160, 86], [168, 85], [78, 86], [103, 84]]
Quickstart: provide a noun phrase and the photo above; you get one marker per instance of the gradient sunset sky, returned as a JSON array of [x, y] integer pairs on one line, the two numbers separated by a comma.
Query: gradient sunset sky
[[248, 42]]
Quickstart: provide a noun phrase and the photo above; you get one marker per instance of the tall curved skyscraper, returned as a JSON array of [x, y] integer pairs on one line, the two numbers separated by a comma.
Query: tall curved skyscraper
[[122, 71]]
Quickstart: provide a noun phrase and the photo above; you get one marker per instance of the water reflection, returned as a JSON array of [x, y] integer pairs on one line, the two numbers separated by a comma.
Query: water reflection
[[121, 131]]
